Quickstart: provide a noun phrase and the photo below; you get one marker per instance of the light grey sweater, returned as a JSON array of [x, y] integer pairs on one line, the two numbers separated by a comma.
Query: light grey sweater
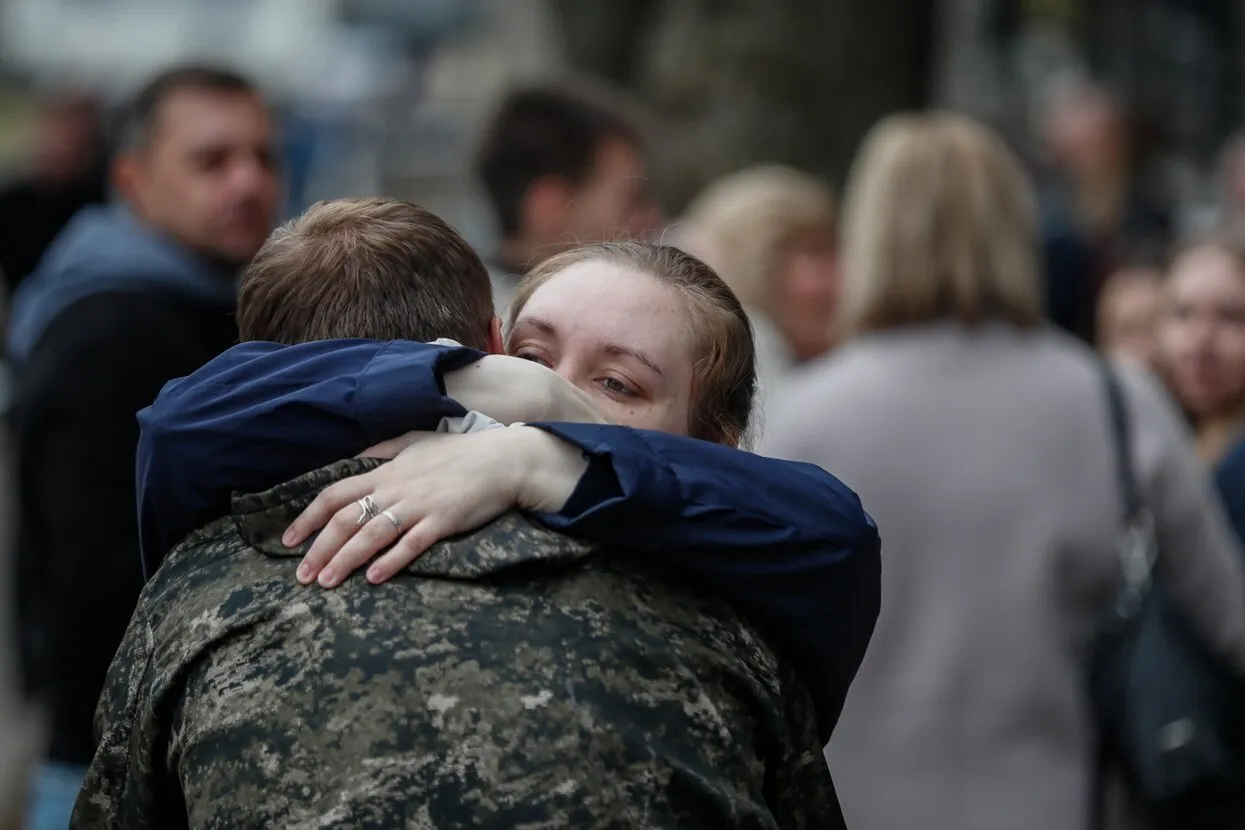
[[985, 459]]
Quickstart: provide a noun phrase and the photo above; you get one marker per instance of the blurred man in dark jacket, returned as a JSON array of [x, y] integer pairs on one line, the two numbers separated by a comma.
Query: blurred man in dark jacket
[[128, 297]]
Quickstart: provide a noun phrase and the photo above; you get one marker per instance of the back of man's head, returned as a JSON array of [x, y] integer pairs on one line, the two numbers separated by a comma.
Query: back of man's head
[[375, 268], [548, 131]]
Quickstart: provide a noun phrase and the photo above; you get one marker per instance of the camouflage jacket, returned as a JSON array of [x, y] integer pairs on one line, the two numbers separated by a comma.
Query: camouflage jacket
[[509, 678]]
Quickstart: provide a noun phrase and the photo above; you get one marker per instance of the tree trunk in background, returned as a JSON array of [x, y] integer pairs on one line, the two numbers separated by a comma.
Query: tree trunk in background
[[738, 82]]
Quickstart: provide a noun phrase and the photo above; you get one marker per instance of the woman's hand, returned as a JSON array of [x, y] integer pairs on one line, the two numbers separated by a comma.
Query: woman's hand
[[439, 486]]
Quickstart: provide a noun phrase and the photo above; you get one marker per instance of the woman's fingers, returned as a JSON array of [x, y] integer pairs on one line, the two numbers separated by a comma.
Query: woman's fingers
[[410, 547], [343, 525], [331, 500], [370, 539]]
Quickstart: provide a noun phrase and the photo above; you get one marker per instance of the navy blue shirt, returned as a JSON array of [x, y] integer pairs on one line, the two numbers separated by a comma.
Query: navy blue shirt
[[787, 543]]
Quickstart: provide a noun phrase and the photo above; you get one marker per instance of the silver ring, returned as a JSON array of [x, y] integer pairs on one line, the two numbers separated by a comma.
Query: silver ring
[[397, 525], [367, 510]]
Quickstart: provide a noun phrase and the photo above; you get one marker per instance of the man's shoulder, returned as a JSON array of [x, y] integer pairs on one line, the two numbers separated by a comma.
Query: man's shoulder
[[211, 583]]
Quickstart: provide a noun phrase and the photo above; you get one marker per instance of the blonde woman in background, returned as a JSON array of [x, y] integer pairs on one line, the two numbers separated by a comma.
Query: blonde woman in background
[[770, 233], [979, 437]]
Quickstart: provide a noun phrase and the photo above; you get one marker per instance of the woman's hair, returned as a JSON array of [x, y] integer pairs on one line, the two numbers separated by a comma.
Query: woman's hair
[[745, 220], [938, 225], [724, 377]]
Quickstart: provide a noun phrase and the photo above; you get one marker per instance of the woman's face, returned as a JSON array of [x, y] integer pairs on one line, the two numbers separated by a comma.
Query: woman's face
[[808, 294], [1203, 334], [619, 335]]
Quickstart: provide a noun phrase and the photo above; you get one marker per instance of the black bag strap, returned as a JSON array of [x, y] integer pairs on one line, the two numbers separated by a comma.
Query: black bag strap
[[1121, 444]]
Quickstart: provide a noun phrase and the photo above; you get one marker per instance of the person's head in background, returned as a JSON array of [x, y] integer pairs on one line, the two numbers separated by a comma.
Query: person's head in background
[[1129, 310], [650, 332], [561, 167], [1098, 152], [938, 225], [1084, 127], [1202, 338], [374, 268], [67, 140], [196, 161], [770, 233]]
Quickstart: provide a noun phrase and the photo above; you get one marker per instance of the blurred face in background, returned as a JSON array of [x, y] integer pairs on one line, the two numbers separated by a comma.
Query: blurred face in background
[[67, 141], [1084, 133], [207, 173], [1129, 312], [1203, 331], [616, 201], [806, 282]]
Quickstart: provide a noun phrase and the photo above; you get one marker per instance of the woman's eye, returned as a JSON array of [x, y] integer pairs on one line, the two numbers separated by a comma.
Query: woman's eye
[[616, 387], [532, 356]]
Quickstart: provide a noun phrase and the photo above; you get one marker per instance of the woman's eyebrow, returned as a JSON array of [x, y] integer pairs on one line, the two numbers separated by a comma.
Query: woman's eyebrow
[[614, 350], [542, 326], [611, 349]]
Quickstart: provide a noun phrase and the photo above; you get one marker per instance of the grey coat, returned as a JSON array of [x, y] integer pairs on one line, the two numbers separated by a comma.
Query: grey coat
[[986, 460]]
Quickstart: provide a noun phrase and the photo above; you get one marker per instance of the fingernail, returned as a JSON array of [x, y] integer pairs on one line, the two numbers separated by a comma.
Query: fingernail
[[289, 539], [374, 574], [304, 573], [327, 577]]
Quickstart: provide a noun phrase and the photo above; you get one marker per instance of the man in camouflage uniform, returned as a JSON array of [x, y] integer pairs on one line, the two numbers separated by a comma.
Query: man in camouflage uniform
[[509, 678]]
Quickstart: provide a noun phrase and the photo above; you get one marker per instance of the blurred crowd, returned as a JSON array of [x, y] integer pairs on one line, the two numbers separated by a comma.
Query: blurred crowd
[[928, 335]]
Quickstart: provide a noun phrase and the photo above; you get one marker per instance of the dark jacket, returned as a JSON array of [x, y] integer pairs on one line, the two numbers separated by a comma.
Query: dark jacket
[[507, 678], [787, 543], [31, 216], [111, 316]]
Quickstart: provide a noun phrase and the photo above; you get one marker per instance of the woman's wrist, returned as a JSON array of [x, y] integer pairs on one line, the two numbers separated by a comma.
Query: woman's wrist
[[510, 389], [547, 469]]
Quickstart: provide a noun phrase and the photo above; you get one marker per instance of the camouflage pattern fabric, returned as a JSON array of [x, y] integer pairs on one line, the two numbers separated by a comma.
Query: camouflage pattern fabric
[[511, 678]]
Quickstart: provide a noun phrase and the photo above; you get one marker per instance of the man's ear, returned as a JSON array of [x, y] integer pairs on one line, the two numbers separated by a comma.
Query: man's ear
[[124, 178], [495, 343]]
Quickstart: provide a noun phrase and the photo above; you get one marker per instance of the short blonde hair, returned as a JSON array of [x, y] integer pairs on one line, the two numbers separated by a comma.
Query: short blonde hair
[[741, 223], [939, 224]]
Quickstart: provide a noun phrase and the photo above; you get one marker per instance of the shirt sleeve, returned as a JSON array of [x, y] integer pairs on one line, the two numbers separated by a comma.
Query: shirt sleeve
[[262, 413], [787, 543]]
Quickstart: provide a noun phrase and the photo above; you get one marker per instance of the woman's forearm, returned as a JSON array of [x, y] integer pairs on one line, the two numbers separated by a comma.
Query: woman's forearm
[[510, 390]]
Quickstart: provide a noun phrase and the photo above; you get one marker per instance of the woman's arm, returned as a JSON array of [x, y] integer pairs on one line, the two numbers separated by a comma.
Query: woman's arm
[[786, 542], [262, 413]]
